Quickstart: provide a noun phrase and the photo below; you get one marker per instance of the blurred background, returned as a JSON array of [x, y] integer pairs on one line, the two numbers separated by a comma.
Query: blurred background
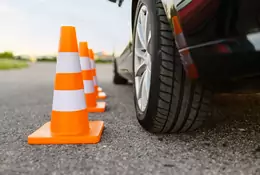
[[30, 29]]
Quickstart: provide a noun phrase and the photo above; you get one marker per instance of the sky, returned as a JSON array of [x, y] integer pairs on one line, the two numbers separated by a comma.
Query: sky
[[32, 26]]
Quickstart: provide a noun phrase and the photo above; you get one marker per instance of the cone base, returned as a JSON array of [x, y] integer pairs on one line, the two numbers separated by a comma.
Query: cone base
[[43, 135], [101, 107], [99, 89], [101, 95]]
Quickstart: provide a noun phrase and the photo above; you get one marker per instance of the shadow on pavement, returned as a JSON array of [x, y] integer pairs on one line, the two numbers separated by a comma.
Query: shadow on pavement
[[230, 108]]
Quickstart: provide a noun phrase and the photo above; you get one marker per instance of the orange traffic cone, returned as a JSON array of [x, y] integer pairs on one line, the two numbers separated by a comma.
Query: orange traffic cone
[[99, 94], [69, 119], [186, 59], [92, 104], [100, 89]]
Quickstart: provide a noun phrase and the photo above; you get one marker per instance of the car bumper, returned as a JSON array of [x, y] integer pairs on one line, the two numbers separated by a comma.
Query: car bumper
[[229, 65]]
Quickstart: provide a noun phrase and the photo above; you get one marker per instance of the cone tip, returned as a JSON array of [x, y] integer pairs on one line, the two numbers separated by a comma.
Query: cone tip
[[83, 49], [177, 27], [90, 53], [68, 39]]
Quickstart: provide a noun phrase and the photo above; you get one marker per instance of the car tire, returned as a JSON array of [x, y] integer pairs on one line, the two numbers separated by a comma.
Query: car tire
[[117, 79], [175, 103]]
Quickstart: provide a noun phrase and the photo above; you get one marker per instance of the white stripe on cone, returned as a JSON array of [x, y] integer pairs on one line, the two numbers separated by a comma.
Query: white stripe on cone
[[186, 58], [68, 62], [92, 63], [88, 86], [93, 66], [181, 41], [68, 100], [85, 63], [95, 80]]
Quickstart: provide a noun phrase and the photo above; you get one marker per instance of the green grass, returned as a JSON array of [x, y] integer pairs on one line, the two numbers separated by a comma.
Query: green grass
[[6, 64], [46, 60], [99, 61]]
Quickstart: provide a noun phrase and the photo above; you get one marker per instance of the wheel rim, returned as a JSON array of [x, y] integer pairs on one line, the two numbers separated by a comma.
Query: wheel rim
[[142, 58]]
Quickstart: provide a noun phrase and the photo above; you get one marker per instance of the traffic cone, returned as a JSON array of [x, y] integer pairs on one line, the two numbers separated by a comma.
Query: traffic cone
[[100, 89], [100, 95], [92, 104], [186, 59], [69, 119]]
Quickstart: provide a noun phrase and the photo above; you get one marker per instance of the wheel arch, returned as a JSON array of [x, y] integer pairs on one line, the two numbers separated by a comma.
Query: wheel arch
[[171, 13]]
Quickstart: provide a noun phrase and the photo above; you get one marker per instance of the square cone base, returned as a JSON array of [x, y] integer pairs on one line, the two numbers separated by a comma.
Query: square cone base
[[99, 89], [101, 95], [101, 107], [43, 135]]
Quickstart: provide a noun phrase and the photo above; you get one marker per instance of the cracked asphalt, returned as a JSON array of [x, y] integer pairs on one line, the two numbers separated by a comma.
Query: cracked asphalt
[[228, 144]]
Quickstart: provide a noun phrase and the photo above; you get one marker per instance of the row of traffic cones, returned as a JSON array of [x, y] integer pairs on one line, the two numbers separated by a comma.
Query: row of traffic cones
[[76, 92], [89, 80]]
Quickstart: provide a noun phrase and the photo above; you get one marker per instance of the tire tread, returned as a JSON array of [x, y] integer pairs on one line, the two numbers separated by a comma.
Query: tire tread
[[183, 104]]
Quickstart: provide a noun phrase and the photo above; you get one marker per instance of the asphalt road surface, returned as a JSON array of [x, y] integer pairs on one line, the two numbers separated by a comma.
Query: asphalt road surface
[[231, 146]]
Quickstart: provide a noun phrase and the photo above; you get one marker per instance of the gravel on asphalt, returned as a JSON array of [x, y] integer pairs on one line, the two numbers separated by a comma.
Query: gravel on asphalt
[[228, 144]]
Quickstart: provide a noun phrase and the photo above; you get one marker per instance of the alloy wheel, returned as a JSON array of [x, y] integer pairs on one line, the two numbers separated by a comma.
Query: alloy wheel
[[142, 58]]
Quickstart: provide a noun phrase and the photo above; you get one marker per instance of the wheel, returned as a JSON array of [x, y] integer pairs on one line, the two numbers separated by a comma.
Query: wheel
[[165, 100], [117, 79]]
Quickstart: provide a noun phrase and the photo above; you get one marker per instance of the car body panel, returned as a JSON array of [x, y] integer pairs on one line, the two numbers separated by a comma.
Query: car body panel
[[125, 62], [223, 39]]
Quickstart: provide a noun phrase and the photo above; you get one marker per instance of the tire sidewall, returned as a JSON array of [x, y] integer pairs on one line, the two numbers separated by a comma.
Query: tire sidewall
[[151, 109], [115, 66]]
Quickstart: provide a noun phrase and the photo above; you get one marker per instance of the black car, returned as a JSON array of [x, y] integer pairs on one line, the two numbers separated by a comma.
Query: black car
[[182, 52]]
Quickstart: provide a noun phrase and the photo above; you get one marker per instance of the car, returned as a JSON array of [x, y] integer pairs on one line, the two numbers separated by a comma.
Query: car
[[182, 52]]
